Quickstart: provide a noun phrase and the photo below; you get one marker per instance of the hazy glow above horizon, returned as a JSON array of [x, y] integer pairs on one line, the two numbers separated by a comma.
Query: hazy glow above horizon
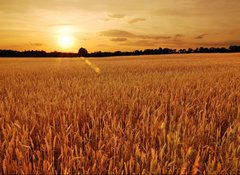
[[65, 37], [66, 41], [67, 25]]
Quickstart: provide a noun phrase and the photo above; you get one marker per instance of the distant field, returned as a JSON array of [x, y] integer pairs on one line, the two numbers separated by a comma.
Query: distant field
[[169, 114]]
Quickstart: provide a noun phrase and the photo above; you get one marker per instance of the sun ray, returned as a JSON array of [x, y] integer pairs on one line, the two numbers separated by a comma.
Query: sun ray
[[90, 64]]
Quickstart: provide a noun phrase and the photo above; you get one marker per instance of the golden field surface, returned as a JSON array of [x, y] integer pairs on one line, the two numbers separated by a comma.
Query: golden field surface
[[168, 114]]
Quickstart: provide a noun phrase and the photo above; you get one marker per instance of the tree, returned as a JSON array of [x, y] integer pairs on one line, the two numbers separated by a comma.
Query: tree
[[190, 50], [82, 52], [234, 48]]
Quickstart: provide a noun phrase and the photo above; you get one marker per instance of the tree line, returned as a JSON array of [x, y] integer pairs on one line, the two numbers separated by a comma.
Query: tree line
[[84, 53], [35, 53]]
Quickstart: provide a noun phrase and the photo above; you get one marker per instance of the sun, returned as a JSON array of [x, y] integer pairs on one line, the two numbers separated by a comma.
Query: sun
[[65, 40], [65, 36]]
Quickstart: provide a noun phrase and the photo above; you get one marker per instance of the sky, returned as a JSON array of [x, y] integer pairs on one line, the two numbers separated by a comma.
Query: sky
[[111, 25]]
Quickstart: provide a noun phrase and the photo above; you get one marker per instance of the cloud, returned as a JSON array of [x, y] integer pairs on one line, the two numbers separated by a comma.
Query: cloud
[[136, 20], [115, 15], [126, 34], [201, 36], [27, 44], [36, 44], [148, 43], [176, 42], [117, 33], [145, 43], [225, 43], [178, 36], [119, 39]]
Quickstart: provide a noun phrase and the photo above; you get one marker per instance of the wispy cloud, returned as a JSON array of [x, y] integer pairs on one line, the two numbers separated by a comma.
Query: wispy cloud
[[201, 36], [27, 44], [136, 20], [115, 15], [177, 36], [117, 33], [36, 44], [119, 39], [145, 43], [126, 34], [225, 43]]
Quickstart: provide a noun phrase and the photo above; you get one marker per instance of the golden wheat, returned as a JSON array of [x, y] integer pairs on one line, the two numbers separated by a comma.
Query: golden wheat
[[172, 114]]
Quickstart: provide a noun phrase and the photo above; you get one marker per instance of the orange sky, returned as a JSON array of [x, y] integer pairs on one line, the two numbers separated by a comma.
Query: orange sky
[[109, 25]]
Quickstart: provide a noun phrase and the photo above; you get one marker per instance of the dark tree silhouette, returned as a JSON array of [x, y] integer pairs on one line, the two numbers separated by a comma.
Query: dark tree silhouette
[[82, 52], [234, 48], [182, 51], [190, 50]]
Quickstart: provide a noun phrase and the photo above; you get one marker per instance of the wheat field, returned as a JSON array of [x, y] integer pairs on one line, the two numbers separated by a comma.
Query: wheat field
[[168, 114]]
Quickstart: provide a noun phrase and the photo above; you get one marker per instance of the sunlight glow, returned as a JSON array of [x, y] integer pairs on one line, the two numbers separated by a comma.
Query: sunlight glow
[[65, 36], [65, 41]]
